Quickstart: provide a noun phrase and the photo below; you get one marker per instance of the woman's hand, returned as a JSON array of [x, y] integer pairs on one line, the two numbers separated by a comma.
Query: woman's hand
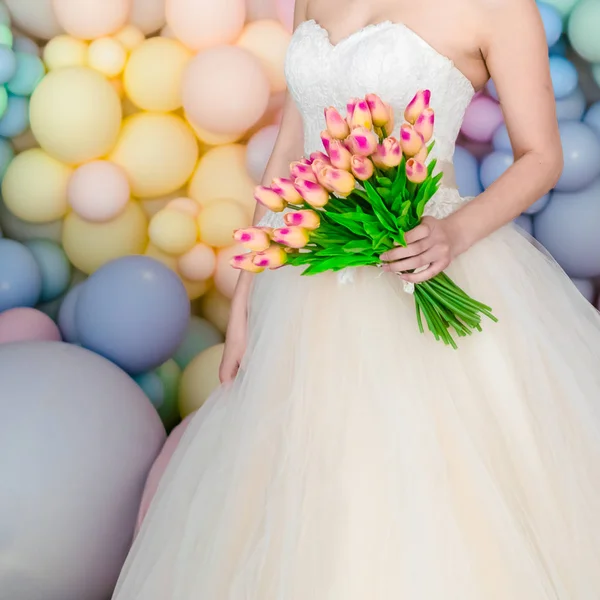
[[431, 246], [235, 343]]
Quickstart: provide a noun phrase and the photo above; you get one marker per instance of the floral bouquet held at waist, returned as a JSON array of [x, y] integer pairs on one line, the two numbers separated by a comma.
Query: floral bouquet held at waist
[[357, 200]]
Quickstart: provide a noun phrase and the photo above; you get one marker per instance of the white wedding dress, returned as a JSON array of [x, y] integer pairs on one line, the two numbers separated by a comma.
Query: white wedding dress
[[357, 459]]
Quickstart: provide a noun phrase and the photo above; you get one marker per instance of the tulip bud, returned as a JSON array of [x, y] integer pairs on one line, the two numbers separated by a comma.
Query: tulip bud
[[308, 219], [362, 168], [267, 197], [339, 155], [361, 116], [272, 258], [336, 125], [302, 170], [245, 262], [350, 109], [312, 193], [362, 141], [422, 155], [292, 237], [388, 154], [285, 188], [388, 128], [417, 105], [411, 142], [424, 124], [379, 111], [326, 138], [319, 156], [415, 171], [339, 181], [253, 238]]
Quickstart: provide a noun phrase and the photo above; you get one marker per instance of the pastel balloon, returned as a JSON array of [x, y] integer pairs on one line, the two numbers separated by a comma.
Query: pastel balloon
[[467, 173], [285, 12], [148, 15], [35, 187], [216, 309], [482, 118], [3, 100], [200, 24], [25, 141], [23, 231], [586, 287], [20, 276], [185, 205], [66, 315], [215, 139], [54, 267], [15, 120], [25, 324], [493, 166], [197, 264], [552, 20], [501, 139], [4, 15], [29, 73], [583, 30], [173, 231], [268, 40], [7, 154], [571, 107], [75, 115], [564, 7], [154, 74], [152, 205], [8, 64], [130, 36], [35, 18], [98, 191], [538, 205], [581, 151], [200, 335], [259, 150], [226, 276], [490, 87], [233, 73], [592, 117], [200, 379], [26, 45], [219, 219], [564, 76], [107, 55], [65, 51], [157, 151], [260, 9], [90, 19], [90, 245]]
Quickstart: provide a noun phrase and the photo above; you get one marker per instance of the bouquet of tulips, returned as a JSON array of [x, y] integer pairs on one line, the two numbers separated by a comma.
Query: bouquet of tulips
[[350, 204]]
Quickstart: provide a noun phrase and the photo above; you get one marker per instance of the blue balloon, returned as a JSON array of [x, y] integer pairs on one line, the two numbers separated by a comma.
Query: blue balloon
[[501, 141], [20, 276], [564, 76], [568, 228], [581, 151], [538, 206], [572, 106], [30, 71], [491, 89], [592, 117], [8, 64], [525, 222], [66, 315], [494, 165], [467, 173], [558, 49], [25, 45], [552, 21], [7, 153], [586, 287], [15, 120], [55, 268], [133, 311]]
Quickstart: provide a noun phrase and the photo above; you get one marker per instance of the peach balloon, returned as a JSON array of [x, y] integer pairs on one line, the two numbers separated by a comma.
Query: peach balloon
[[130, 36], [98, 191], [107, 56], [91, 19], [214, 139], [148, 15], [198, 264], [152, 205], [218, 219], [260, 9], [216, 308], [226, 276], [27, 325], [200, 24], [185, 205], [65, 51], [167, 32], [285, 12], [268, 40], [214, 84], [34, 18]]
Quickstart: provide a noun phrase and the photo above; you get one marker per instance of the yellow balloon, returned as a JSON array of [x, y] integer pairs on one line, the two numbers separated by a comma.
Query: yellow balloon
[[152, 205], [158, 152], [75, 115], [219, 219], [91, 19], [214, 139], [90, 245], [65, 51], [173, 232], [216, 308], [200, 379], [107, 56], [154, 74], [222, 173], [35, 187], [130, 36]]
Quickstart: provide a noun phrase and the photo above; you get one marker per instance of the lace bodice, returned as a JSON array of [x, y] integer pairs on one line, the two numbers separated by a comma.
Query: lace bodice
[[388, 59]]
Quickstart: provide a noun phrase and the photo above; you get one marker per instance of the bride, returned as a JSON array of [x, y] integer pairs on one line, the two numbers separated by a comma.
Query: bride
[[349, 457]]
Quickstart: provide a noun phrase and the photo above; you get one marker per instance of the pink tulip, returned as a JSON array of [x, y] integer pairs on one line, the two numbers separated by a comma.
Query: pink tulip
[[339, 181], [411, 142], [272, 258], [361, 116], [319, 156], [285, 188], [245, 262], [422, 155], [302, 170], [308, 219], [362, 141], [292, 237], [326, 138], [388, 128], [379, 111], [424, 124], [339, 155], [253, 238], [350, 109], [417, 105], [312, 193], [415, 171], [336, 124], [362, 168], [269, 198], [388, 154]]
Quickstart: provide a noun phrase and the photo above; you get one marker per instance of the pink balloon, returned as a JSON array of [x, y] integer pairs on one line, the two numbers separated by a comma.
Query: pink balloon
[[259, 150], [91, 19], [260, 9], [285, 12], [482, 119], [27, 325]]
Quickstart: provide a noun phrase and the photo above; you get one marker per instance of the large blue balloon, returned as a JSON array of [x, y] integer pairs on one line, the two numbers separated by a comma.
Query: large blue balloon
[[134, 311], [592, 117], [581, 150], [467, 172], [525, 223], [571, 107], [491, 89], [30, 71], [564, 76], [552, 22], [20, 276], [15, 120], [494, 165], [568, 227], [539, 205], [501, 141]]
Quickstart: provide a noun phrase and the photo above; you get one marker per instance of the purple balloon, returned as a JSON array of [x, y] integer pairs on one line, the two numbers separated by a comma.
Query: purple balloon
[[482, 118], [134, 311]]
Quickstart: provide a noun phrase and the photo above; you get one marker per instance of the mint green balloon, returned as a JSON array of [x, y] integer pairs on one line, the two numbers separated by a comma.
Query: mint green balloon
[[3, 100], [30, 71], [6, 36], [4, 15], [583, 28], [564, 7]]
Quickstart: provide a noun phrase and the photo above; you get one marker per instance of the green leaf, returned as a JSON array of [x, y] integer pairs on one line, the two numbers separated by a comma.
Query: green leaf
[[431, 167], [384, 181], [385, 193], [430, 147], [381, 211], [358, 246], [373, 229], [349, 223], [382, 240]]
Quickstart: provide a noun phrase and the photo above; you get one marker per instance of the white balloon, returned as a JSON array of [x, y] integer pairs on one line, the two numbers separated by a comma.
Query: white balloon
[[34, 17]]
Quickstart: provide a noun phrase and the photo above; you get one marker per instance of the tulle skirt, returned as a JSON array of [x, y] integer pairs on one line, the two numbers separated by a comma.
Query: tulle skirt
[[357, 459]]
